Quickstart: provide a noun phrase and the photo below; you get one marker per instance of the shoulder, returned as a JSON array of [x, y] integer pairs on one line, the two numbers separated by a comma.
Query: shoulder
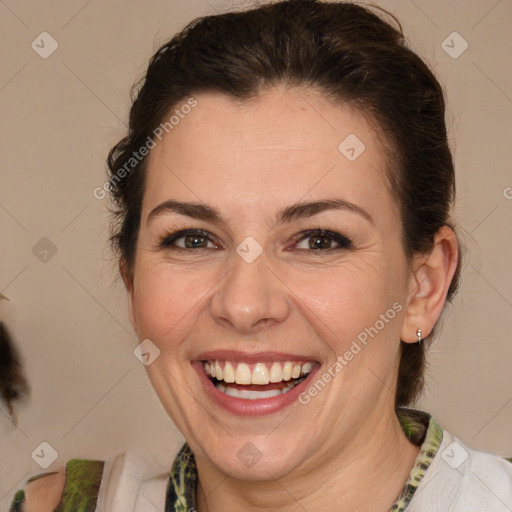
[[489, 477], [132, 484], [125, 482], [461, 479], [42, 492], [76, 483]]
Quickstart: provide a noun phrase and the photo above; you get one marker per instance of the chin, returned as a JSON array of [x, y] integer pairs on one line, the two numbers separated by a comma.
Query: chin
[[257, 460]]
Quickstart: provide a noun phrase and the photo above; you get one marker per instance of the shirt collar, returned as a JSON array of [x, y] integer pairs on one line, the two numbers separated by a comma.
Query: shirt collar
[[419, 426]]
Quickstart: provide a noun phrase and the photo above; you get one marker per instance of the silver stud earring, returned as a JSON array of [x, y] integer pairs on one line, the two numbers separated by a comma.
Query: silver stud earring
[[418, 333]]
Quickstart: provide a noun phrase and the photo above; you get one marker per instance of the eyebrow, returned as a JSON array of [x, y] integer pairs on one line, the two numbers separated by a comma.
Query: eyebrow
[[290, 213]]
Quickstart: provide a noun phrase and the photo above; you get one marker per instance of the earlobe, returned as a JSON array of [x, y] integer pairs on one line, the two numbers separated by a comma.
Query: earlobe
[[430, 282]]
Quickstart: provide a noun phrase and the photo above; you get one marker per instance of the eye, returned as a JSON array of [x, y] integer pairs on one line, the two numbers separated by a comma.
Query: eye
[[317, 240], [191, 239], [320, 240]]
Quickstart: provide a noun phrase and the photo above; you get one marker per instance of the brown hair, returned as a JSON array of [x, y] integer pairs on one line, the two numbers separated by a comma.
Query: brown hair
[[13, 384], [338, 48]]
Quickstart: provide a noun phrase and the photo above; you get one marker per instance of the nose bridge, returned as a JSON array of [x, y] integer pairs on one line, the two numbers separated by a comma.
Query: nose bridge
[[251, 294]]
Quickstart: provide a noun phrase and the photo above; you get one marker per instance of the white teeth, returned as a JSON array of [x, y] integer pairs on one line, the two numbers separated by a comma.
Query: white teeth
[[306, 368], [218, 370], [229, 372], [260, 374], [276, 373], [243, 374], [287, 370], [252, 395]]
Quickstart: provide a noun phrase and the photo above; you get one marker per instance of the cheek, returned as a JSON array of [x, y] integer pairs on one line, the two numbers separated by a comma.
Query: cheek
[[166, 302], [342, 301], [337, 301]]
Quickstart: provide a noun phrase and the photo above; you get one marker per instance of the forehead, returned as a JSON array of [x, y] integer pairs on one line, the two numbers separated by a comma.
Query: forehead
[[284, 145]]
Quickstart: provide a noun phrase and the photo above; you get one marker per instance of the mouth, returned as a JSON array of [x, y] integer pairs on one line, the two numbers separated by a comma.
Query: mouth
[[254, 384], [256, 381]]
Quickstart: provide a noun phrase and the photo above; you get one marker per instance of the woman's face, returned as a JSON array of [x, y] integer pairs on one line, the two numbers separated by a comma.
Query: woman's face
[[254, 287]]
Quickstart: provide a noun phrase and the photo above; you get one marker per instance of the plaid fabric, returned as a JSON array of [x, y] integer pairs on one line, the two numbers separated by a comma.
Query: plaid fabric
[[419, 427], [181, 492], [422, 430]]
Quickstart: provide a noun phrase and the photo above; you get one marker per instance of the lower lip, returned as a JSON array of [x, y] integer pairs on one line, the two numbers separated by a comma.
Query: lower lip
[[257, 407]]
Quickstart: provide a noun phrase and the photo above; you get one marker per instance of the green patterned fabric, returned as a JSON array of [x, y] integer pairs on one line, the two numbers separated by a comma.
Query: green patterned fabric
[[83, 480], [83, 477], [419, 427], [429, 437], [17, 502], [181, 492]]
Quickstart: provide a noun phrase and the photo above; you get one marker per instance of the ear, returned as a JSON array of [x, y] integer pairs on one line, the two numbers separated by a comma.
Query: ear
[[129, 285], [429, 283]]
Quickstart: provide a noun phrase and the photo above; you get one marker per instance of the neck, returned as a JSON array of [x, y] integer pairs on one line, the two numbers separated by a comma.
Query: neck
[[349, 480]]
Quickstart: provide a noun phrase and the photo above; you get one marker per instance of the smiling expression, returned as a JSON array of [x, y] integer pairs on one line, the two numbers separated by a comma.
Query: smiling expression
[[233, 282]]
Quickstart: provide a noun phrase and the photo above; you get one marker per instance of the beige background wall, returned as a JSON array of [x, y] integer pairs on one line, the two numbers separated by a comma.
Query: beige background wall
[[60, 115]]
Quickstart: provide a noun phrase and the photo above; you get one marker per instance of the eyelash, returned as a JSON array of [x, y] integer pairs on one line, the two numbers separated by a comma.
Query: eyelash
[[344, 243]]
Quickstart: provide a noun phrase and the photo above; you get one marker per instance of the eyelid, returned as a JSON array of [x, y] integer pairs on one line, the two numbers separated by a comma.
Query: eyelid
[[342, 241], [166, 242]]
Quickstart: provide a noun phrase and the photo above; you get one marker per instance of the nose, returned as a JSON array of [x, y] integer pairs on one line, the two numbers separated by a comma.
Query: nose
[[251, 297]]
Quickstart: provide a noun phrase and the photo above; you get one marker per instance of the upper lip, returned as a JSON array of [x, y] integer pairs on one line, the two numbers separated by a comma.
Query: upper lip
[[251, 357]]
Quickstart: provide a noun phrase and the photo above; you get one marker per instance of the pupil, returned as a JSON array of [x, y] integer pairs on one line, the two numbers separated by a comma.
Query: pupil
[[193, 241], [320, 242]]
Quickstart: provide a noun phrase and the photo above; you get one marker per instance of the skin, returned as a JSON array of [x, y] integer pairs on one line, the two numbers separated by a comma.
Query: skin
[[249, 160], [45, 493]]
